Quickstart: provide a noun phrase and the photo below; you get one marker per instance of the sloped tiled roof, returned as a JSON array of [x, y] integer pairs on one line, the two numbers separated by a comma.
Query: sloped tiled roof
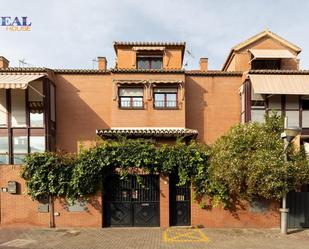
[[147, 132], [24, 69], [213, 73], [81, 71]]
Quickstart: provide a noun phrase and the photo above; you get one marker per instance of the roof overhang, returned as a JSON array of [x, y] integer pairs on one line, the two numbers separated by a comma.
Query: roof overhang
[[289, 84], [271, 54], [10, 80], [147, 132], [149, 48], [149, 81]]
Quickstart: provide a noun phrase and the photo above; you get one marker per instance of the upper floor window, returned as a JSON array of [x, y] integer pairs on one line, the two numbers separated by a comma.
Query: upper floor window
[[165, 98], [149, 62], [131, 98], [273, 64]]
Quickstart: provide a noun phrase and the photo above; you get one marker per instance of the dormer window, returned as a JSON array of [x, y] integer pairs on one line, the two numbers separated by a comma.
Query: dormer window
[[271, 64], [131, 98], [149, 61]]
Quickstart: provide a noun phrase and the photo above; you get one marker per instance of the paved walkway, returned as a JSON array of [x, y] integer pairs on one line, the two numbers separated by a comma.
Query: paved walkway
[[129, 238]]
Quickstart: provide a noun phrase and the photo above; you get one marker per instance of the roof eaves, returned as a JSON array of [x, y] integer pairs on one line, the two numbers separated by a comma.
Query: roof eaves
[[127, 70], [213, 73], [24, 69], [81, 71], [278, 72]]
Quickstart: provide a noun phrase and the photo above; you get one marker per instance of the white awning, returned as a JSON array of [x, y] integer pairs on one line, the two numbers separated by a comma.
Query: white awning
[[271, 54], [293, 84], [10, 80]]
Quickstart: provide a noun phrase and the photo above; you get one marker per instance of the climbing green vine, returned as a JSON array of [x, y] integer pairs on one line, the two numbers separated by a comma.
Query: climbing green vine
[[245, 163], [82, 175]]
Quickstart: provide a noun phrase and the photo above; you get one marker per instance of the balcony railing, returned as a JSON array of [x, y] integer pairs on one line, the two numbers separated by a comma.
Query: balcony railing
[[168, 104], [131, 104]]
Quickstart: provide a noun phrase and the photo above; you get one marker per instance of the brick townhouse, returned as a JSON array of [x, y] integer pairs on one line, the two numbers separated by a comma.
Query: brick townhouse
[[146, 94]]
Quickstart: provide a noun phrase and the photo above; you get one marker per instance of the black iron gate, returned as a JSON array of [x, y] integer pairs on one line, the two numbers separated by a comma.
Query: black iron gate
[[130, 203], [180, 210], [298, 204]]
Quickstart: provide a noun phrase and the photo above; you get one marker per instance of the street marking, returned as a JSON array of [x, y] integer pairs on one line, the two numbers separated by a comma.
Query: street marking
[[19, 243], [184, 235]]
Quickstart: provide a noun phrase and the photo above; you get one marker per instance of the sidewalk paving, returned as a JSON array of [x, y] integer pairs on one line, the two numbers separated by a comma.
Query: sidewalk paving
[[129, 238]]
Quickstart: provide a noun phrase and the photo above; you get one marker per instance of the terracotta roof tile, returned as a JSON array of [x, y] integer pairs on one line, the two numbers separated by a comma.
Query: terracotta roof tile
[[24, 69], [150, 132], [81, 71], [213, 73], [127, 70], [278, 71]]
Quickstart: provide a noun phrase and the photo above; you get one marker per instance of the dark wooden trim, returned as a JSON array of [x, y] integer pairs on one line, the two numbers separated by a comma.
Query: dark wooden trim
[[46, 104], [300, 109], [283, 105], [10, 133], [247, 86]]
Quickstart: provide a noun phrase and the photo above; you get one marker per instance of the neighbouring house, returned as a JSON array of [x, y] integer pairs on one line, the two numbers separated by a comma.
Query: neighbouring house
[[146, 94]]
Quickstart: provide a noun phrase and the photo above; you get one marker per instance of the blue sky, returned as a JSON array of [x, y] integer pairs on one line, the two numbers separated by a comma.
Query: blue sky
[[71, 33]]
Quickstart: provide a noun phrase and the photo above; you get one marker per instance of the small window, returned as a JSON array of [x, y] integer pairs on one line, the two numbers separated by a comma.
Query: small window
[[266, 64], [20, 148], [165, 98], [131, 98], [37, 144], [149, 62], [4, 149]]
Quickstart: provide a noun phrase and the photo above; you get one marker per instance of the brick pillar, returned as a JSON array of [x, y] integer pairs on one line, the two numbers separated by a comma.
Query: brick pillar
[[164, 202]]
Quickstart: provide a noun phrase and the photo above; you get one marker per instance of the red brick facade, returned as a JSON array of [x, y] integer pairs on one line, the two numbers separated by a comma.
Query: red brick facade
[[86, 101]]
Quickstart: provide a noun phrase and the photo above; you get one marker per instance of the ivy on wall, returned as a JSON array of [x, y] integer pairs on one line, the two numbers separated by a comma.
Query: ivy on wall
[[247, 162], [82, 175]]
